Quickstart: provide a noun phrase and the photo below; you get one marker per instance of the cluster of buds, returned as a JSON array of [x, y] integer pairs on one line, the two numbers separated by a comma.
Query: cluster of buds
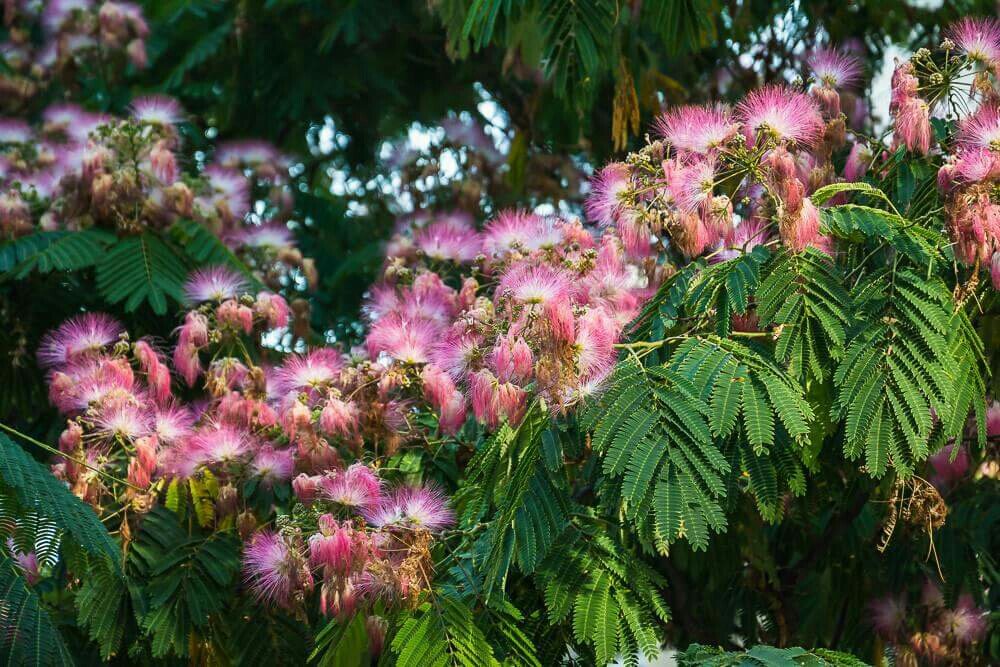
[[51, 41], [714, 170], [351, 537], [929, 632], [540, 303], [77, 169]]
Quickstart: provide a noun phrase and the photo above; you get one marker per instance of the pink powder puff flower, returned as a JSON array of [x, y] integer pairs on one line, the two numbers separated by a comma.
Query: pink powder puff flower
[[356, 487], [438, 386], [412, 507], [220, 444], [966, 622], [978, 38], [913, 126], [163, 163], [443, 241], [981, 129], [157, 110], [274, 235], [888, 615], [334, 551], [604, 204], [689, 235], [692, 185], [458, 352], [27, 563], [452, 414], [71, 438], [249, 153], [512, 360], [800, 230], [744, 237], [782, 113], [215, 283], [194, 331], [535, 285], [974, 166], [306, 487], [270, 569], [595, 339], [513, 229], [339, 418], [857, 162], [834, 69], [272, 308], [80, 336], [273, 465], [312, 372], [231, 192], [123, 422], [187, 362], [295, 418], [696, 129], [409, 341]]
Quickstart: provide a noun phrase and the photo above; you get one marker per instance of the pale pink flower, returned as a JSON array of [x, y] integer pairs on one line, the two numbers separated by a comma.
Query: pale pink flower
[[356, 487], [782, 113], [273, 465], [696, 129], [596, 336], [80, 336], [272, 308], [312, 372], [604, 203], [913, 126], [975, 165], [888, 615], [406, 340], [220, 444], [157, 110], [978, 38], [270, 568], [215, 283], [412, 507], [981, 129], [966, 622], [339, 417], [444, 241], [946, 471], [834, 69]]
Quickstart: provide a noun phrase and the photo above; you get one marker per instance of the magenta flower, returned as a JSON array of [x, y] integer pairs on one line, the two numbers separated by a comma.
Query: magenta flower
[[219, 444], [77, 337], [406, 340], [696, 129], [604, 203], [214, 283], [356, 487], [157, 110], [310, 372], [412, 507], [446, 241], [269, 568], [978, 38], [981, 129], [780, 112], [834, 69], [273, 465]]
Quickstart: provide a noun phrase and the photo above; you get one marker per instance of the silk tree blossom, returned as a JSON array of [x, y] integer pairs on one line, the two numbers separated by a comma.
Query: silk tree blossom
[[834, 68], [414, 508], [446, 241], [312, 372], [273, 570], [782, 113], [215, 283], [78, 337], [978, 38], [157, 110], [697, 130], [604, 205]]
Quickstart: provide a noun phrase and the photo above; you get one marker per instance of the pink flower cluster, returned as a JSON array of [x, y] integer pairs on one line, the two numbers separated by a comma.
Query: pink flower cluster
[[48, 41], [922, 86], [718, 179], [353, 538], [78, 169], [529, 306], [930, 631]]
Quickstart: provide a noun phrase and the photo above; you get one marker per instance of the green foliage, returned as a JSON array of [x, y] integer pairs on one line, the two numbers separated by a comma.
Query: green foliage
[[804, 295], [441, 631], [342, 643], [28, 635], [897, 367], [102, 607], [764, 656], [28, 488], [53, 251], [141, 269], [608, 594], [187, 577]]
